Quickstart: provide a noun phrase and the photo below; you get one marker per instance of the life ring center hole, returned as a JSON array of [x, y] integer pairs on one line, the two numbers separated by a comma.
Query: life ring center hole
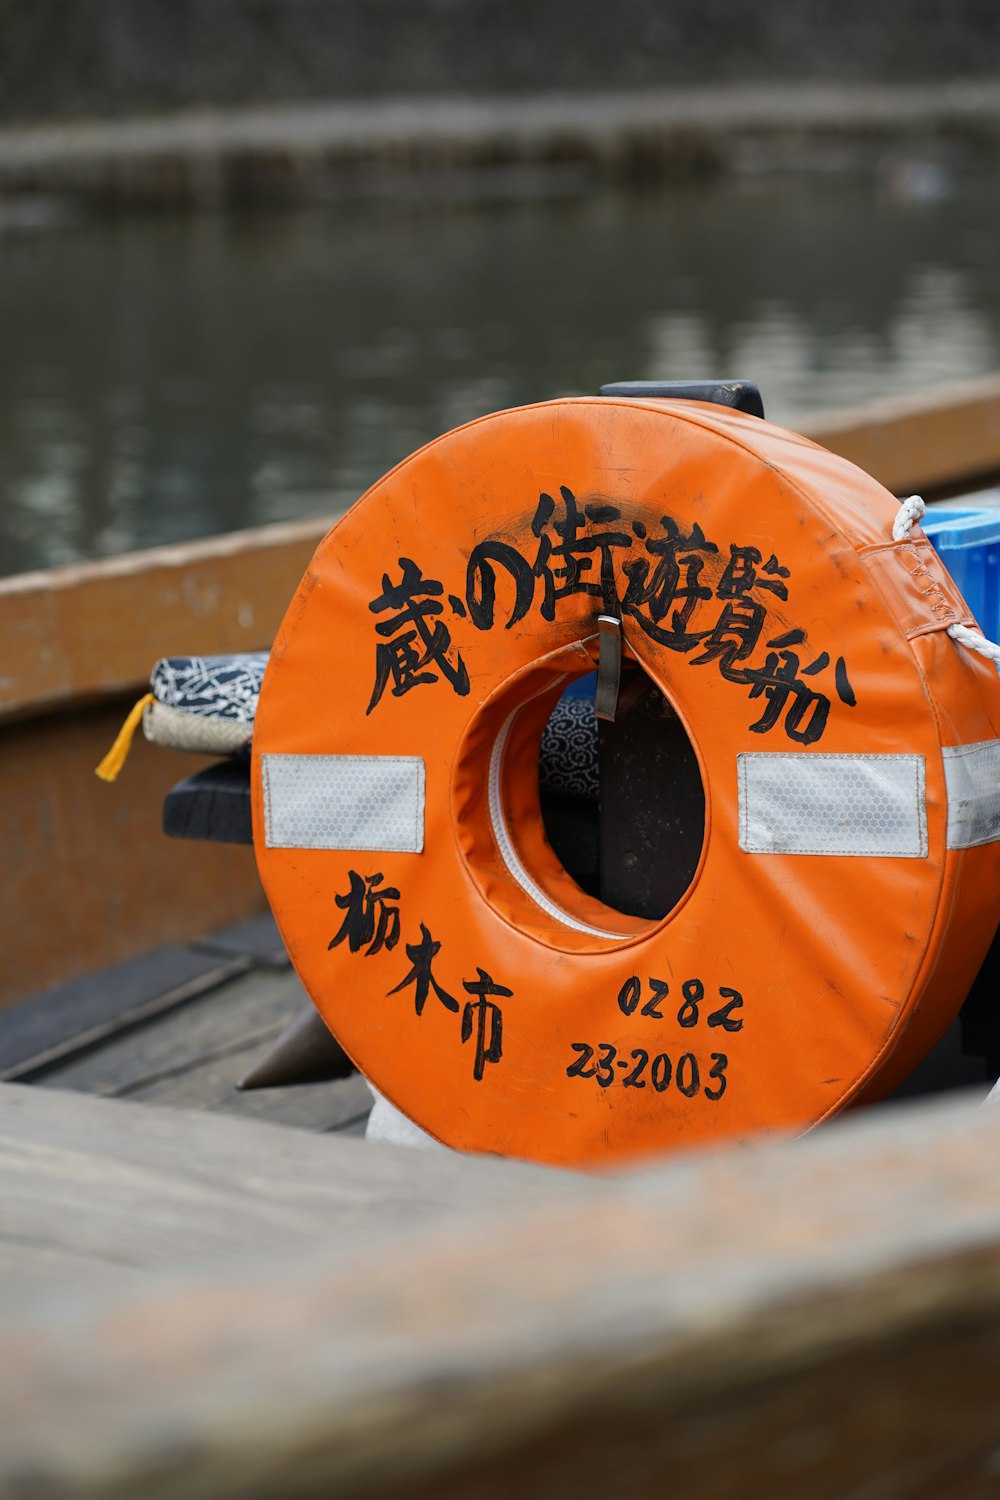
[[622, 802]]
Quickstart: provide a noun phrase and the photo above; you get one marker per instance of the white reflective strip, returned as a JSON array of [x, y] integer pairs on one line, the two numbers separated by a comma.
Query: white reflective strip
[[344, 802], [972, 774], [832, 804], [509, 853]]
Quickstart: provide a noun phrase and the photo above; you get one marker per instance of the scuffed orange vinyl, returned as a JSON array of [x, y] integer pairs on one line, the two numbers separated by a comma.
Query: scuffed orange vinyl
[[780, 988]]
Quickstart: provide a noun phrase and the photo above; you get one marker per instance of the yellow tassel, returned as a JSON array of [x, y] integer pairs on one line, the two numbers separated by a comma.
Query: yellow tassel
[[114, 760]]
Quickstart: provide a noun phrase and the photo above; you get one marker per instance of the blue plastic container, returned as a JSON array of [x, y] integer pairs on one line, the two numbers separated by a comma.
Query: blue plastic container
[[968, 543]]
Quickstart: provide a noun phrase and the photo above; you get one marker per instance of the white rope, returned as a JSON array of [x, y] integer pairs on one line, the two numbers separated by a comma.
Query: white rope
[[975, 641], [912, 510], [506, 844]]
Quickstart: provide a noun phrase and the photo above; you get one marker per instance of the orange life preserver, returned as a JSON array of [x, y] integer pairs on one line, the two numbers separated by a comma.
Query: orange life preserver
[[847, 886]]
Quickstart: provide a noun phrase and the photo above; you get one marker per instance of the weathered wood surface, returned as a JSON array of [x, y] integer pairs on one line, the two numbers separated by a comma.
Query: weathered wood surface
[[817, 1320], [99, 1184], [73, 632], [58, 1025], [937, 440], [180, 1027], [89, 879], [192, 1057]]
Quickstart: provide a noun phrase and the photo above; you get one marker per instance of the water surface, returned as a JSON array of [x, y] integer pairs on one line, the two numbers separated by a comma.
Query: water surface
[[167, 378]]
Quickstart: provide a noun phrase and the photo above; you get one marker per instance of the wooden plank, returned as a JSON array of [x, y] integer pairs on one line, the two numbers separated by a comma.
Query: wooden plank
[[212, 806], [237, 1017], [937, 440], [191, 1058], [73, 632], [257, 938], [805, 1321], [89, 879], [62, 1022], [96, 1181], [330, 1107]]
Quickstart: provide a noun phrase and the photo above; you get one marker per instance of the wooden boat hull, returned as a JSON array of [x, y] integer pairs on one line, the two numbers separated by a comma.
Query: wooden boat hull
[[89, 880]]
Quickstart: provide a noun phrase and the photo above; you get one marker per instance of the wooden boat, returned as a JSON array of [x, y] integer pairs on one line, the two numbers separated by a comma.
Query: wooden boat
[[200, 1305], [91, 882]]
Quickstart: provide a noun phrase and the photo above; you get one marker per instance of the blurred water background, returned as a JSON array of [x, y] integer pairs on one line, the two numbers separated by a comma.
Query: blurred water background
[[168, 376]]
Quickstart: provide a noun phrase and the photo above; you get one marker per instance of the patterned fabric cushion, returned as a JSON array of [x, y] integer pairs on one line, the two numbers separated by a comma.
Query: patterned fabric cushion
[[190, 690], [203, 733], [568, 755], [213, 687]]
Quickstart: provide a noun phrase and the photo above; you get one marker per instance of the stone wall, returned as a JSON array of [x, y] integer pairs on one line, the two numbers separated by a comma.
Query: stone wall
[[73, 58]]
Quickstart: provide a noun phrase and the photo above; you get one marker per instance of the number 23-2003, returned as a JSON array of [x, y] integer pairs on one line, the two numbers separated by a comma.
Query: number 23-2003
[[685, 1076]]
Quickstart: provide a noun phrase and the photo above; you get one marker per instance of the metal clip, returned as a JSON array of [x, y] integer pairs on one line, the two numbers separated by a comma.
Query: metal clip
[[609, 667]]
